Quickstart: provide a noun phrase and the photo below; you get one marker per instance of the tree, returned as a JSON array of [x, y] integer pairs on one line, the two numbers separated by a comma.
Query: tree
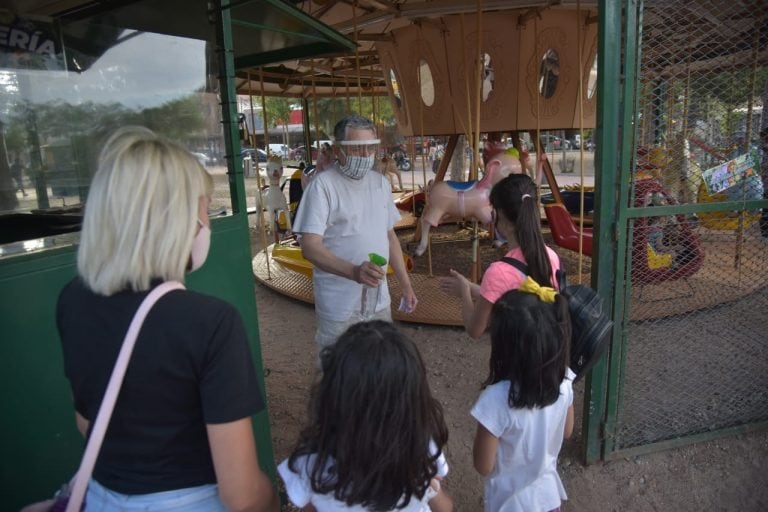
[[279, 114]]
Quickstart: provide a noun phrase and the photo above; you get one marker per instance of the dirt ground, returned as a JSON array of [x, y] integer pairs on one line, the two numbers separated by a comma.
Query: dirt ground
[[724, 474]]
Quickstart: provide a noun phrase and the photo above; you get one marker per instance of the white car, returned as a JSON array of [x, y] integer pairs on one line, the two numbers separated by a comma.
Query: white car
[[204, 159]]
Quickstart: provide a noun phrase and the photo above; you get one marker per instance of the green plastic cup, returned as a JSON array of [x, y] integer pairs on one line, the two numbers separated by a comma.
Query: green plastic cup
[[377, 259]]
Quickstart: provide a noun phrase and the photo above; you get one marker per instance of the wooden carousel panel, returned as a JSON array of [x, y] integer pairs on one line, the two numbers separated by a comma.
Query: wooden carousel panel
[[497, 79], [498, 82], [392, 76], [549, 74], [588, 81], [420, 55]]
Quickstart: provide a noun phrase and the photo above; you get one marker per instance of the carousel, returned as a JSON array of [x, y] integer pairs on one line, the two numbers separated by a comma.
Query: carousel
[[447, 72], [498, 81]]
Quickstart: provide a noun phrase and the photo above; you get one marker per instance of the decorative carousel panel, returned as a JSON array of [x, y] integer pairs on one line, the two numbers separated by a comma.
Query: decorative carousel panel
[[588, 79], [397, 95], [496, 76], [421, 59], [550, 71]]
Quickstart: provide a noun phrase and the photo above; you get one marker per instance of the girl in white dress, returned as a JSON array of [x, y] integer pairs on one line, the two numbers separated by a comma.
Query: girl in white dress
[[376, 435], [526, 408]]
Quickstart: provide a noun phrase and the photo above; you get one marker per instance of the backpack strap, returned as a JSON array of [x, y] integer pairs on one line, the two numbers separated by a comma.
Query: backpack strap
[[519, 265], [522, 267]]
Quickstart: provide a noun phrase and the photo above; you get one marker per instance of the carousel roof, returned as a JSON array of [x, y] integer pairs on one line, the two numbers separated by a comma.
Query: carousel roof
[[701, 25], [368, 22]]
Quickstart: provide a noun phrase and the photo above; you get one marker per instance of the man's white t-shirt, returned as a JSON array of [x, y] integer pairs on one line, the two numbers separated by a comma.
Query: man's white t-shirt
[[298, 486], [354, 218], [525, 476]]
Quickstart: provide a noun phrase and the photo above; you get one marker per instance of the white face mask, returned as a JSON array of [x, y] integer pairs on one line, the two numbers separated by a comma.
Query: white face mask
[[356, 167], [200, 246]]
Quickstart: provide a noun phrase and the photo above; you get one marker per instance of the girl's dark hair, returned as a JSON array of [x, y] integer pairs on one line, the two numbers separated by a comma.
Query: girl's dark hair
[[507, 197], [529, 347], [372, 419]]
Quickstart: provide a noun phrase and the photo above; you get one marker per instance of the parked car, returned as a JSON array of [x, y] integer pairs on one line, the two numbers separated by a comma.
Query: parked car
[[204, 159], [300, 153], [554, 143], [254, 154]]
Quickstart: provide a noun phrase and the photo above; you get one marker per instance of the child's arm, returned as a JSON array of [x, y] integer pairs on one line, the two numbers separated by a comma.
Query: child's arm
[[442, 502], [484, 452], [475, 310], [568, 432]]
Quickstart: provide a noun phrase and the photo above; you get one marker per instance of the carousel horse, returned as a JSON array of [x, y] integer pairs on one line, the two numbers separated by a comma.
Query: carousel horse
[[274, 200], [468, 199]]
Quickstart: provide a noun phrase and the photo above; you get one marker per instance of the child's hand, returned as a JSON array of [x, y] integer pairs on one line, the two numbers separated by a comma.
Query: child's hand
[[454, 284], [439, 501]]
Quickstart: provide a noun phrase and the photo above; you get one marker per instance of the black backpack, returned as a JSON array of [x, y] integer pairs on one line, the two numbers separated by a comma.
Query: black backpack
[[591, 327]]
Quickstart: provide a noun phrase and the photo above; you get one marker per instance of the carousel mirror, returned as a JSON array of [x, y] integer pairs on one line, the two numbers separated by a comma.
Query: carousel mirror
[[488, 77], [592, 81], [549, 73], [395, 89], [427, 84]]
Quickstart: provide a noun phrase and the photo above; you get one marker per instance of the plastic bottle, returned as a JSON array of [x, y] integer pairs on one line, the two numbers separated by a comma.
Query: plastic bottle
[[370, 295]]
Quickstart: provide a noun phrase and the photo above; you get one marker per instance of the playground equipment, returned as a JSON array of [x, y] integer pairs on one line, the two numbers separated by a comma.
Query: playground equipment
[[466, 199], [288, 254], [565, 233], [274, 202], [647, 268]]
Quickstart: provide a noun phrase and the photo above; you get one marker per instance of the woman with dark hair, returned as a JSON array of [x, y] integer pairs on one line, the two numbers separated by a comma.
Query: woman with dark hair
[[526, 408], [516, 217], [376, 435]]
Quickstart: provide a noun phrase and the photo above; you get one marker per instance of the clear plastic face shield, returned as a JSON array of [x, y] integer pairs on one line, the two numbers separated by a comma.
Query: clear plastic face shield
[[358, 157]]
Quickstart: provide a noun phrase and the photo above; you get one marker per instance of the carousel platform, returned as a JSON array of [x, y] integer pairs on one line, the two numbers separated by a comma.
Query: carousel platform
[[718, 282], [434, 307]]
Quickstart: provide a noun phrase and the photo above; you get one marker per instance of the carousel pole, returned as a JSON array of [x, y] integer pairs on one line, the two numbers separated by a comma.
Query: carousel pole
[[581, 139], [275, 222], [478, 95], [423, 170], [314, 115], [260, 205], [357, 59]]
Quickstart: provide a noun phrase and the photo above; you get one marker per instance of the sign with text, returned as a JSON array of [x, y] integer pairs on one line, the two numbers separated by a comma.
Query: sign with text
[[30, 43], [738, 171]]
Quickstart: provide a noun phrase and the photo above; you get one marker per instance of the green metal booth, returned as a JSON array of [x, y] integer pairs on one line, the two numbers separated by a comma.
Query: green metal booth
[[70, 73]]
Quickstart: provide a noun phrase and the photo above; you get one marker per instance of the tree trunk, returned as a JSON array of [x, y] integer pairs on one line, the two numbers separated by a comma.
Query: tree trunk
[[8, 200], [459, 160]]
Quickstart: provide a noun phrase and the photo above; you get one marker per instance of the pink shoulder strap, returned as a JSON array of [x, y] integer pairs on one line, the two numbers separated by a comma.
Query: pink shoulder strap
[[110, 395]]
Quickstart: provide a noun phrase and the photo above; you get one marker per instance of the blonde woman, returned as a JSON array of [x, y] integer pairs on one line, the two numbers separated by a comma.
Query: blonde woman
[[180, 436]]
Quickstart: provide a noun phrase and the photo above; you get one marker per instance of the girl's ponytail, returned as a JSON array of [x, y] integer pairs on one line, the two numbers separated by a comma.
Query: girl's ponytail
[[517, 198], [528, 227]]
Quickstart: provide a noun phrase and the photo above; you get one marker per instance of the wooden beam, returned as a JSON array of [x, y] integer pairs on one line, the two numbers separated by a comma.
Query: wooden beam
[[382, 5], [360, 36]]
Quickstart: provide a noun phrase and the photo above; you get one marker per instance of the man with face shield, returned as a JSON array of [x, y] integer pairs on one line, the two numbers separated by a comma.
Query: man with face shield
[[347, 213]]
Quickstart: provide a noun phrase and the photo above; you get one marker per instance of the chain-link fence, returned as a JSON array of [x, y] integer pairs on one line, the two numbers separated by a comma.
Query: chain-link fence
[[695, 340]]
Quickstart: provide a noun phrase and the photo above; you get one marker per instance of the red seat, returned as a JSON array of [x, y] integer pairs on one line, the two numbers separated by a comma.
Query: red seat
[[565, 232]]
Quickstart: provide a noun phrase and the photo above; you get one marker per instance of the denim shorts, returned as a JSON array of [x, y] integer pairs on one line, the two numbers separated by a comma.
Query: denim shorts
[[204, 498]]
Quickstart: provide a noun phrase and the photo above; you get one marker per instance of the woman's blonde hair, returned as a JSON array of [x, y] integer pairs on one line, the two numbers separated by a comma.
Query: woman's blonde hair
[[141, 213]]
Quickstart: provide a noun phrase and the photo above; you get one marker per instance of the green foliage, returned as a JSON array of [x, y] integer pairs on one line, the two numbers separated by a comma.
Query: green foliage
[[177, 119], [330, 110], [278, 110]]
